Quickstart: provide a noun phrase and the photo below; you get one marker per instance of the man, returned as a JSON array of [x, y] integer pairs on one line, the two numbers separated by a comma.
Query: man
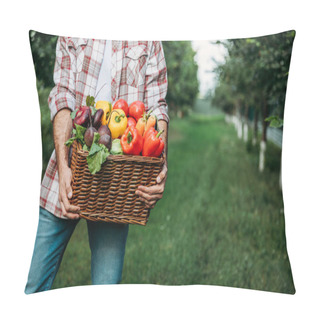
[[108, 70]]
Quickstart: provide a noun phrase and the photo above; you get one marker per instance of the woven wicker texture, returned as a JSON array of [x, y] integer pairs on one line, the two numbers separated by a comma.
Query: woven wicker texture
[[109, 195]]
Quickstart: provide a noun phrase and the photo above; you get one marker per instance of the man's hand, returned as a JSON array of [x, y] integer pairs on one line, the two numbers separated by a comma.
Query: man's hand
[[65, 193], [150, 195], [62, 126]]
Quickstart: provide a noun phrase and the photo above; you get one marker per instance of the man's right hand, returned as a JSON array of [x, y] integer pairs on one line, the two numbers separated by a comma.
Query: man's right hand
[[62, 126], [65, 193]]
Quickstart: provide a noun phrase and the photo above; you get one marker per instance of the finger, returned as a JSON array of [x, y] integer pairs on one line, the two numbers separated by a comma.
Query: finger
[[69, 190], [162, 174], [148, 204], [152, 204], [152, 189], [149, 197], [69, 215], [144, 201], [64, 212], [67, 205]]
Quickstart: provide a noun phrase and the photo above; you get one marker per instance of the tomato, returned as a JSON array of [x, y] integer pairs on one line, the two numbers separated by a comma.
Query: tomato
[[136, 110], [131, 122], [121, 104]]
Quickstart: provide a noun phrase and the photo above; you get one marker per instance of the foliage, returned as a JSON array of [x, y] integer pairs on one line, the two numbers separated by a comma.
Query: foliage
[[43, 54], [224, 98], [255, 74], [183, 84], [275, 121], [46, 126]]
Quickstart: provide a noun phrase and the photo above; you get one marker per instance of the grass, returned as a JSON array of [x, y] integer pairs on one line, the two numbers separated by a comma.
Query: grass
[[220, 221]]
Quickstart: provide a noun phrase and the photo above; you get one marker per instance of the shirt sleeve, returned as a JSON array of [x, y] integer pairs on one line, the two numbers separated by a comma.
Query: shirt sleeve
[[63, 93], [156, 82]]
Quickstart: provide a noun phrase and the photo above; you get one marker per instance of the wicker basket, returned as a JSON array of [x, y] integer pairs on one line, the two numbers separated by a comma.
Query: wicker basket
[[109, 195]]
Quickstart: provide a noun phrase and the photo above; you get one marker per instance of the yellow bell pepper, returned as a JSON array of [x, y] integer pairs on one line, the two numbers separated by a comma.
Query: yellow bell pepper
[[117, 123], [106, 106]]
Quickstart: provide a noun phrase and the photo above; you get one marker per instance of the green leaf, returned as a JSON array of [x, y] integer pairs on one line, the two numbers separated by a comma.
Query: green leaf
[[90, 101], [85, 147], [97, 156], [93, 110], [73, 114], [96, 137], [94, 162], [78, 134], [275, 121], [94, 149], [105, 152], [69, 142], [80, 130], [116, 147]]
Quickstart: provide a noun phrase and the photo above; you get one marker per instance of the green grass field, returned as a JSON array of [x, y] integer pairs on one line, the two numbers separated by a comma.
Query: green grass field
[[220, 221]]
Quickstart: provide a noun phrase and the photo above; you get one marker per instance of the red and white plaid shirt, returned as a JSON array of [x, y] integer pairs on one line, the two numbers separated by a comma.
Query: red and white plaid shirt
[[138, 73]]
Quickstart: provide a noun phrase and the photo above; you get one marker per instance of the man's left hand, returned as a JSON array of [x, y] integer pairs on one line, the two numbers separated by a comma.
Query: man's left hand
[[150, 195]]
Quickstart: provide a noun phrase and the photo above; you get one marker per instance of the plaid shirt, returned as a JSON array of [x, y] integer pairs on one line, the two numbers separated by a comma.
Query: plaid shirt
[[138, 72]]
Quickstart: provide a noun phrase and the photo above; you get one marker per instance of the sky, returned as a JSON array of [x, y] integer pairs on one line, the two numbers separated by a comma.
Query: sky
[[205, 51]]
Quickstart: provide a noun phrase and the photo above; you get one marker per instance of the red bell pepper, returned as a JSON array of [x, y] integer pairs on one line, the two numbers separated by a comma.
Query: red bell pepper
[[159, 150], [131, 141], [153, 144], [148, 132]]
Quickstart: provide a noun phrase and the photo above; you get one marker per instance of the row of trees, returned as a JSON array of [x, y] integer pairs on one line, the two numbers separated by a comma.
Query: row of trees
[[253, 80]]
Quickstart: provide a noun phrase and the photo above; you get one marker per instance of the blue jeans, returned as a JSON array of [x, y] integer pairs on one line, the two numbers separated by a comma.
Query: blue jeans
[[107, 243]]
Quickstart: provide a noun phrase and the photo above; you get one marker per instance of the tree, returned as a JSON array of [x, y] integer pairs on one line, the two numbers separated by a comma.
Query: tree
[[43, 53], [256, 70], [183, 84]]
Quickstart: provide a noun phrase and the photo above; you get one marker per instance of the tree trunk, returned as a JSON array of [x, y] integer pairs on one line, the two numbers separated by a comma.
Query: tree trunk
[[255, 127], [239, 122], [280, 177], [246, 123], [263, 144], [180, 114], [263, 147], [245, 132], [264, 123]]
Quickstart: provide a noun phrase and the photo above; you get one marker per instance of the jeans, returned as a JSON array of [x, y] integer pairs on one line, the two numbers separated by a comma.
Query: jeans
[[107, 244]]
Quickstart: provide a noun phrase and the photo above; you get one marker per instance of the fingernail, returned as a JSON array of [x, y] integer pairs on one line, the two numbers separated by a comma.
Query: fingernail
[[158, 180], [70, 195]]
